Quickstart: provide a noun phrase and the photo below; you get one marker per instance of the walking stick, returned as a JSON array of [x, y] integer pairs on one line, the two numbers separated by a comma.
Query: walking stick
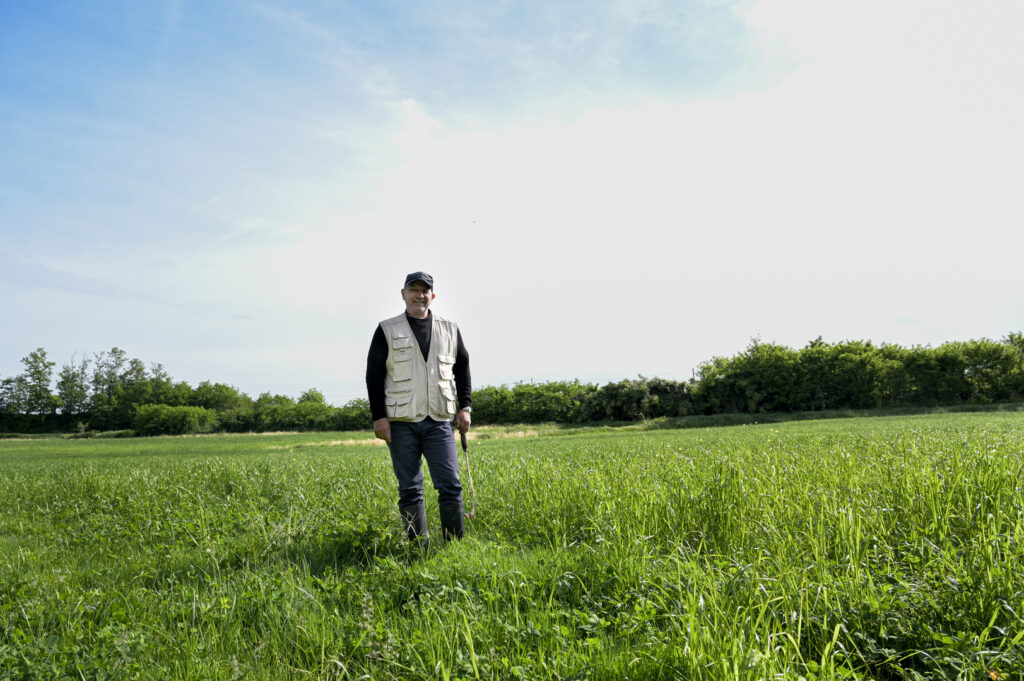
[[469, 474]]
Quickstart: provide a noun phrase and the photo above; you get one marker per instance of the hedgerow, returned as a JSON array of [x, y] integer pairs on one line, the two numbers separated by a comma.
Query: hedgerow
[[110, 391]]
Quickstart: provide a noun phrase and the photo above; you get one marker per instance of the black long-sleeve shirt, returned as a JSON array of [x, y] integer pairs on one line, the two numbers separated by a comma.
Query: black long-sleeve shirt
[[377, 359]]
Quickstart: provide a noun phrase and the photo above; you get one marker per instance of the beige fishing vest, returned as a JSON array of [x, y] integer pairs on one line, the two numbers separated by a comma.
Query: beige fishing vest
[[413, 388]]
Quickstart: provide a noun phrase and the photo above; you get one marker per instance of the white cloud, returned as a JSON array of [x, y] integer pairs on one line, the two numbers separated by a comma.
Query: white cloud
[[869, 193]]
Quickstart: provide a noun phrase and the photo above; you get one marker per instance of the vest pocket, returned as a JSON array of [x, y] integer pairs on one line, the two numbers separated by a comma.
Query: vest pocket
[[446, 366], [401, 369], [401, 358], [399, 404], [401, 342], [448, 395]]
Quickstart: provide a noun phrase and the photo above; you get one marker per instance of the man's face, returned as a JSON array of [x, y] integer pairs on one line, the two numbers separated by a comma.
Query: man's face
[[417, 299]]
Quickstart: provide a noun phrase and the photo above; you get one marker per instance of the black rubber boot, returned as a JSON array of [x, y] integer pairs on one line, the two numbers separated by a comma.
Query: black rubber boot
[[415, 520], [452, 522]]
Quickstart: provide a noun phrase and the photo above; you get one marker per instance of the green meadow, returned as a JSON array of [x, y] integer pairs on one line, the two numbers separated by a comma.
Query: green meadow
[[870, 548]]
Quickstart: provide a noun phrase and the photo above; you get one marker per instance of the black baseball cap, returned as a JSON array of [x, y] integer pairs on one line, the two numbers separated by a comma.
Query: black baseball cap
[[420, 276]]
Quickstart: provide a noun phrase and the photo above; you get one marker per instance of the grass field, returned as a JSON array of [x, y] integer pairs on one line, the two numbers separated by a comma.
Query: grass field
[[888, 548]]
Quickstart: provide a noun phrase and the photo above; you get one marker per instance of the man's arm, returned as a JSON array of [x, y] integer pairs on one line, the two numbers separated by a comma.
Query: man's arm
[[376, 371], [463, 385]]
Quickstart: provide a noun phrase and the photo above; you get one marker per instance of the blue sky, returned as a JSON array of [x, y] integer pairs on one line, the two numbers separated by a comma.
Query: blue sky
[[601, 189]]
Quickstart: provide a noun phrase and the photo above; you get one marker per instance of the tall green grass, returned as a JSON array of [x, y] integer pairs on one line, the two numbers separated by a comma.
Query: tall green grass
[[870, 548]]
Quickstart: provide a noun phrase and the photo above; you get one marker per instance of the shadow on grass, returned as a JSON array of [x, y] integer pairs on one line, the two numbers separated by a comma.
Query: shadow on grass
[[358, 548], [347, 548]]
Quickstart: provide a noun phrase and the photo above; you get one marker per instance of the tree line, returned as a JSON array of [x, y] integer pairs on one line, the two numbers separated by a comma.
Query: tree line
[[111, 392], [767, 377]]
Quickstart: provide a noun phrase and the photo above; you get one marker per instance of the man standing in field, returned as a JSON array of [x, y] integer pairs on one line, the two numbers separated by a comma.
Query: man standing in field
[[416, 372]]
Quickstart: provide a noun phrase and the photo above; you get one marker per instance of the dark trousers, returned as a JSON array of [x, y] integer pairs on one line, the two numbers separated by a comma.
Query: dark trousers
[[435, 441]]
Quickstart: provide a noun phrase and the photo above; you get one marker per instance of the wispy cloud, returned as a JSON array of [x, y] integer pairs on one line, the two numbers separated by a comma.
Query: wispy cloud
[[31, 275]]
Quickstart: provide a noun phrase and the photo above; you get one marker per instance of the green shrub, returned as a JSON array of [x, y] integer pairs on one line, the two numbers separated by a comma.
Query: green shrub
[[241, 420], [354, 415], [161, 419]]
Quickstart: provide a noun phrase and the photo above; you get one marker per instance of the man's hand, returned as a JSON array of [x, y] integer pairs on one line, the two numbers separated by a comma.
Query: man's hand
[[382, 429], [463, 421]]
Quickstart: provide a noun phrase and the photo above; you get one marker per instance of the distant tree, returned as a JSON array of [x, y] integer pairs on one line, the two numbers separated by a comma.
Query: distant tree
[[107, 393], [120, 385], [353, 415], [938, 375], [492, 404], [311, 416], [770, 377], [894, 383], [718, 389], [626, 400], [274, 412], [312, 395], [38, 378], [134, 373], [1015, 342], [106, 374], [162, 419], [311, 412], [13, 395], [814, 366], [220, 397], [989, 370], [235, 410], [73, 387], [555, 401], [851, 378], [669, 398], [136, 389], [164, 390]]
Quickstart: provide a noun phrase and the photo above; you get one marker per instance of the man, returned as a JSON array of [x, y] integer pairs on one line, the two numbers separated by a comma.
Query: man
[[417, 371]]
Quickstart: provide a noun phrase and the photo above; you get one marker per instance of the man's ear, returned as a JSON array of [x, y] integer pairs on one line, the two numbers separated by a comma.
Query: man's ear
[[433, 295]]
